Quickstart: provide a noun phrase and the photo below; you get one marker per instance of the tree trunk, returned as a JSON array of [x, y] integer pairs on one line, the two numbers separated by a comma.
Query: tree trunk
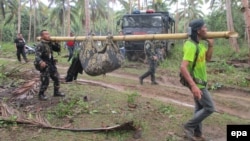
[[230, 26], [177, 17], [34, 20], [130, 6], [63, 21], [139, 6], [68, 17], [245, 9], [109, 17], [87, 17], [19, 17], [30, 21]]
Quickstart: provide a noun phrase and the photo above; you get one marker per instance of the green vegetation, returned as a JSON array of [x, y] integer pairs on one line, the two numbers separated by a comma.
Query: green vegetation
[[132, 98], [218, 68], [90, 105]]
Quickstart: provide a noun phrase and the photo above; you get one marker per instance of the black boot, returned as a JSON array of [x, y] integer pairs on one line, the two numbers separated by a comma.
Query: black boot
[[153, 82], [58, 93], [141, 80], [144, 76], [26, 60], [42, 96]]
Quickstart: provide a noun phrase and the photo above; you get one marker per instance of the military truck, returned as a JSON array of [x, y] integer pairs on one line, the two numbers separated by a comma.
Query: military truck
[[148, 22]]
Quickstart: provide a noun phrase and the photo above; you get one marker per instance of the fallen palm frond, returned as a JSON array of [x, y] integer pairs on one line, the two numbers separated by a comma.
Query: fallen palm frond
[[7, 113], [27, 90]]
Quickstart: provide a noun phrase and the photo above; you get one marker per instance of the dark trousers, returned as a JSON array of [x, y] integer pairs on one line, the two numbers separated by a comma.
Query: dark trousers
[[151, 70], [19, 52], [49, 72], [71, 51]]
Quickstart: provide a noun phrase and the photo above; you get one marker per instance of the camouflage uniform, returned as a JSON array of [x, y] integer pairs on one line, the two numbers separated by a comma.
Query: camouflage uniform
[[150, 52], [44, 52], [159, 49]]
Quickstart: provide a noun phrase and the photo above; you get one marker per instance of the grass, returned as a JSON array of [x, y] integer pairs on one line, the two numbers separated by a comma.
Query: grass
[[220, 57], [157, 119], [107, 107]]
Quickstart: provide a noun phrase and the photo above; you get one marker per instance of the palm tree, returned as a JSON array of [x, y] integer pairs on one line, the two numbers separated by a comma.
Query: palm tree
[[2, 6], [34, 19], [19, 17], [30, 20], [94, 10], [128, 6], [11, 11], [230, 25], [245, 9], [68, 17], [159, 5], [176, 2], [58, 14], [87, 17], [191, 10]]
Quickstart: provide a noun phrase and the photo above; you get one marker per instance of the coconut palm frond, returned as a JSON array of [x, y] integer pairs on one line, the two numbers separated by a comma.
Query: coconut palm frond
[[11, 115], [27, 90]]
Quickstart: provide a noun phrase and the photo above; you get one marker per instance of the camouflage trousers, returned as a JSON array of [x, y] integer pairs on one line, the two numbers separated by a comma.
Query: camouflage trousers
[[151, 70], [44, 77]]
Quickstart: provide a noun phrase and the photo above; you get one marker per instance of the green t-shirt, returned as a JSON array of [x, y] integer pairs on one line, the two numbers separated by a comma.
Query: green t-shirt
[[189, 50]]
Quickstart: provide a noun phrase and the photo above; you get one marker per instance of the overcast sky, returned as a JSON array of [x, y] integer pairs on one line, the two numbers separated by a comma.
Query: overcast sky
[[117, 6]]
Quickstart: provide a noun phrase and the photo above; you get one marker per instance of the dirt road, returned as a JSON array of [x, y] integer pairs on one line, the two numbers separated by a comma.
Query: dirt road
[[227, 100]]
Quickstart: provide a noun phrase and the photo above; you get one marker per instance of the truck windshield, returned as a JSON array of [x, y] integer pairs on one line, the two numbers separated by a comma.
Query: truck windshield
[[142, 21]]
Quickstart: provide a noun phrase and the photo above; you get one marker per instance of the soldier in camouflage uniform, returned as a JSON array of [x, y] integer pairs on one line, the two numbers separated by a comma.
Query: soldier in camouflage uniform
[[46, 64], [158, 44], [152, 58]]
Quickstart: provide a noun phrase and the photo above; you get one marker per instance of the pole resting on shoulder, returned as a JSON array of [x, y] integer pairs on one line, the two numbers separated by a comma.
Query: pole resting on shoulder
[[176, 36]]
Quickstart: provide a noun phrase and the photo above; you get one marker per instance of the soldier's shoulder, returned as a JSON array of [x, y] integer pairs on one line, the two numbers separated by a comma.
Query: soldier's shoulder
[[39, 45]]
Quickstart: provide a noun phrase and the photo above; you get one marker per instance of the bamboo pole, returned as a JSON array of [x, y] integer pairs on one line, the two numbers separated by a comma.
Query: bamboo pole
[[177, 36]]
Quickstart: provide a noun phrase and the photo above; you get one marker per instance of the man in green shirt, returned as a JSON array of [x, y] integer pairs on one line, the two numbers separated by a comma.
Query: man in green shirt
[[197, 79]]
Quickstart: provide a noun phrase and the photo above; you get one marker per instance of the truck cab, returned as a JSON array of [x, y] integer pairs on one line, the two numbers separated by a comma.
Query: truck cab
[[148, 22]]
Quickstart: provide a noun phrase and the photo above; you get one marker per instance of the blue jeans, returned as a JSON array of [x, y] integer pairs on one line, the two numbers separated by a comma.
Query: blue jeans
[[122, 51], [203, 108]]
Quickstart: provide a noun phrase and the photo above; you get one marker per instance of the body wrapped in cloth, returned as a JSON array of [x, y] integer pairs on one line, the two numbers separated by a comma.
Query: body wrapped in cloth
[[100, 60]]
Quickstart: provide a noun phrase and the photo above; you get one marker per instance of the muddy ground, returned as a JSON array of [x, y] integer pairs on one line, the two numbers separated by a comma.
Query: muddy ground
[[230, 100]]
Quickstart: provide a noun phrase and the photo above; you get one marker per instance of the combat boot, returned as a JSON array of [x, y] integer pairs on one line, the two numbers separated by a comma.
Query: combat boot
[[57, 93], [153, 82], [141, 80], [143, 76], [26, 60], [42, 96]]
